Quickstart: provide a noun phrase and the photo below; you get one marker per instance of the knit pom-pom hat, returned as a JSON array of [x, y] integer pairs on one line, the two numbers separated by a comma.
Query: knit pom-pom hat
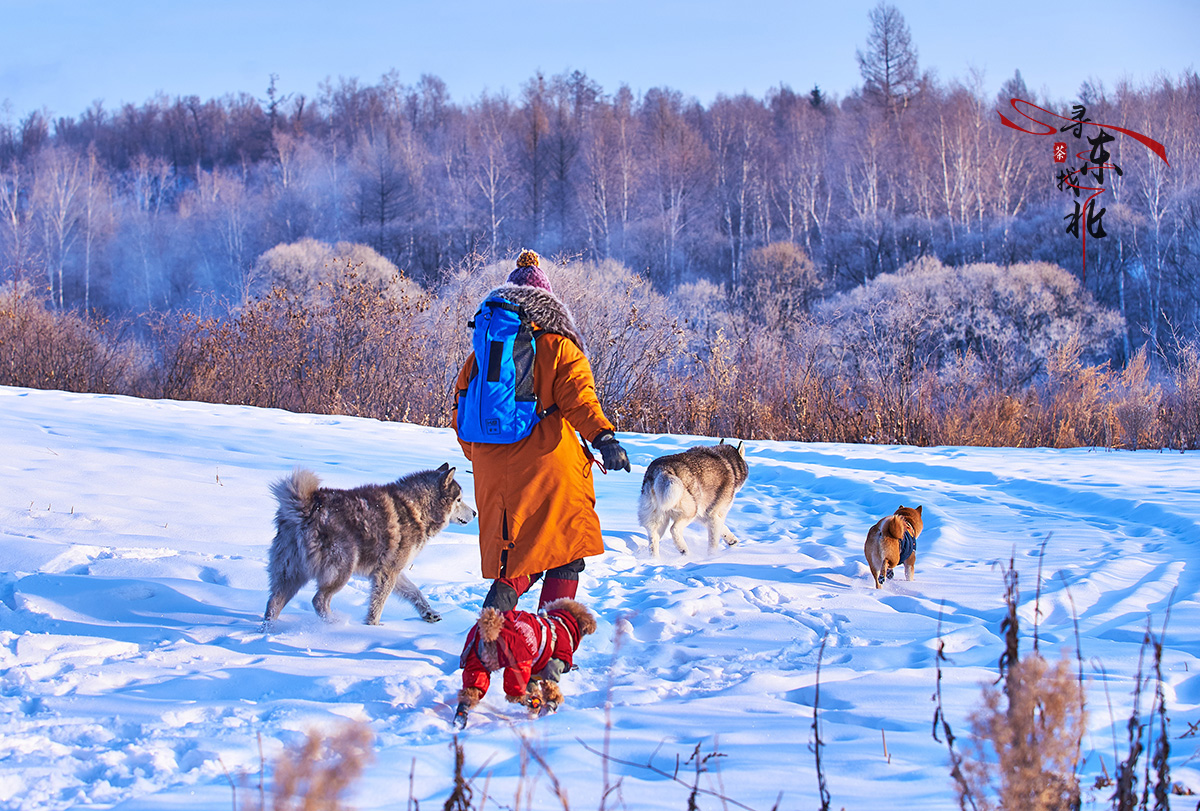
[[529, 272]]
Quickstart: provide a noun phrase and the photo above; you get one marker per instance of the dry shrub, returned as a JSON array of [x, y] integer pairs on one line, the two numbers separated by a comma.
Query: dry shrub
[[632, 335], [1180, 415], [892, 368], [43, 348], [355, 350], [1137, 403], [308, 268], [779, 282], [961, 405], [1024, 740], [1012, 319], [317, 773], [1075, 403], [750, 383]]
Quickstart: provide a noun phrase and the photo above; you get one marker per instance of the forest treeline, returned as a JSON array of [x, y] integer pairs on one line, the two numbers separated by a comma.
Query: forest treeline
[[152, 205], [892, 266]]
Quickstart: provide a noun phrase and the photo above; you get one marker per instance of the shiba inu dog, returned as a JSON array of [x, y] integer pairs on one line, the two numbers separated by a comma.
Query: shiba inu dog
[[892, 541]]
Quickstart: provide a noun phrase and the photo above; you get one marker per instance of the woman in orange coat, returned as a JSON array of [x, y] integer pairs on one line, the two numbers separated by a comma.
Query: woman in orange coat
[[536, 500]]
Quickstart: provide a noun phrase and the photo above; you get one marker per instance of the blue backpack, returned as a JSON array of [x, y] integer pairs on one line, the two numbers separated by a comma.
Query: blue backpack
[[498, 406]]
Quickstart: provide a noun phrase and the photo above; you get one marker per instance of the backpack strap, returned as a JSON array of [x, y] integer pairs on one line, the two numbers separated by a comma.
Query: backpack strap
[[553, 407]]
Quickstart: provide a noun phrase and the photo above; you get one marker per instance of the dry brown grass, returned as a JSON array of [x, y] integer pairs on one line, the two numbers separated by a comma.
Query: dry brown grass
[[364, 349], [355, 350]]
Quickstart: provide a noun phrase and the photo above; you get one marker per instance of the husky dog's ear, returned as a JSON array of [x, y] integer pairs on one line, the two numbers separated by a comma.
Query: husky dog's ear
[[722, 442], [741, 449], [445, 466], [447, 475], [918, 510]]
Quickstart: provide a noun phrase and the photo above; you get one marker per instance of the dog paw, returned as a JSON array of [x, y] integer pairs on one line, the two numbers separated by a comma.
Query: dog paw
[[431, 616], [891, 573]]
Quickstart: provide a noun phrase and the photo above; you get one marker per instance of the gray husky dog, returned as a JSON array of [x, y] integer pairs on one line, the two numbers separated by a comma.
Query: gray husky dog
[[698, 483], [376, 530]]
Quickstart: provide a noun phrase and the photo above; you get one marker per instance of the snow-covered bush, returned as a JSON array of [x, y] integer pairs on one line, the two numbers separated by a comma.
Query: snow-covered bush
[[308, 266], [1010, 318]]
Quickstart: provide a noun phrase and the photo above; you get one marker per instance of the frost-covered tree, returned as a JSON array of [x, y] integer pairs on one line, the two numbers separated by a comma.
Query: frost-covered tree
[[57, 195], [779, 283], [928, 316], [308, 266]]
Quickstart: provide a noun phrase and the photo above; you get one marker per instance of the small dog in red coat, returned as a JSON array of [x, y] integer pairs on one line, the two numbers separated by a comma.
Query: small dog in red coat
[[533, 650]]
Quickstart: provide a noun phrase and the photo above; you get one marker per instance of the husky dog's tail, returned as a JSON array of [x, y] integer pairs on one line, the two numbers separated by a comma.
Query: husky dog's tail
[[294, 494], [288, 564], [661, 493]]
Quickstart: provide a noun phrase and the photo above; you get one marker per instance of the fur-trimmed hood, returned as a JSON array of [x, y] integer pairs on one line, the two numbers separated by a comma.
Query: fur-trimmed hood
[[545, 309]]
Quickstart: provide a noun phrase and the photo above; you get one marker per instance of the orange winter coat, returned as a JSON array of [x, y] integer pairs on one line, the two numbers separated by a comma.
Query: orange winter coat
[[535, 497]]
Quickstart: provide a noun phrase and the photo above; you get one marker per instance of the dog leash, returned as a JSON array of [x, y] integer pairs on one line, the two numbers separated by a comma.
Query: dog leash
[[591, 456]]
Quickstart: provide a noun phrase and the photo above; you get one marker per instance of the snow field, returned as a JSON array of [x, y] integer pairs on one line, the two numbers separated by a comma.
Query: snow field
[[133, 673]]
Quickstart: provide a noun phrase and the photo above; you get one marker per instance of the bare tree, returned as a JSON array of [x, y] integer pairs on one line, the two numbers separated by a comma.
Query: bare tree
[[151, 181], [57, 194], [889, 66], [96, 217], [491, 166], [739, 129], [533, 124], [574, 99], [675, 162], [16, 226], [799, 188], [610, 174], [227, 207], [389, 165]]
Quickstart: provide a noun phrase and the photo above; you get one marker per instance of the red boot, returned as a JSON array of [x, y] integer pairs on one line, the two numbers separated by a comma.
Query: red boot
[[554, 588]]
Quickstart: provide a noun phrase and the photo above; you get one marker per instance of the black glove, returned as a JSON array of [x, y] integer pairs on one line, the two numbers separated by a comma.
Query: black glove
[[611, 452]]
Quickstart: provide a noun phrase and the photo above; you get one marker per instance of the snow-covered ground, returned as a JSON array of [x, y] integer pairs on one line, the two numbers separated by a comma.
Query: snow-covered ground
[[133, 673]]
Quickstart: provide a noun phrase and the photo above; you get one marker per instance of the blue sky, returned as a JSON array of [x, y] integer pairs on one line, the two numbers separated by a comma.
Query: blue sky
[[64, 54]]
